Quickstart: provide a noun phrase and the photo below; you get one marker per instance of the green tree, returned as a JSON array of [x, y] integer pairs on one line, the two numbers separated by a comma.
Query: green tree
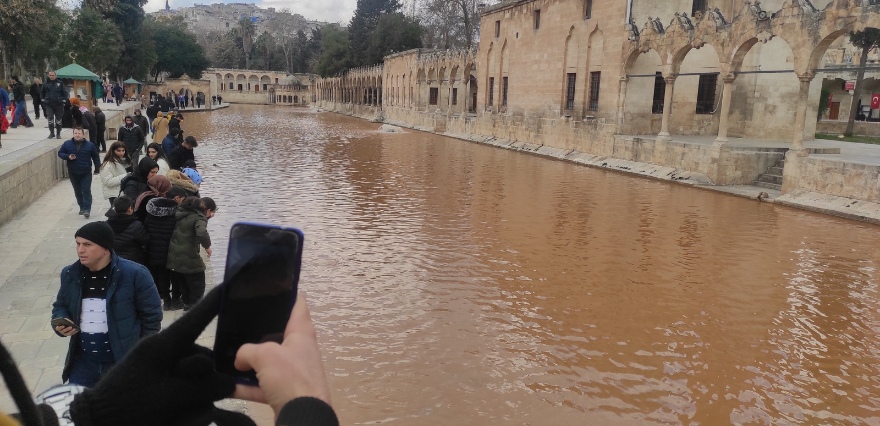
[[246, 31], [138, 52], [394, 33], [95, 42], [177, 51], [365, 20], [225, 53], [335, 50], [267, 54], [865, 40], [22, 24]]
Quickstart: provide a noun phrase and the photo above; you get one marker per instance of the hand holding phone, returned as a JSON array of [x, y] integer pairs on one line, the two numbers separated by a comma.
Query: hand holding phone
[[259, 291], [65, 326]]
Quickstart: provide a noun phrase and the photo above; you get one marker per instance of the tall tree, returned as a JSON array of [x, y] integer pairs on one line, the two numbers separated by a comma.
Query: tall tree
[[866, 40], [177, 51], [22, 22], [394, 33], [284, 27], [95, 42], [365, 20], [247, 30], [335, 50]]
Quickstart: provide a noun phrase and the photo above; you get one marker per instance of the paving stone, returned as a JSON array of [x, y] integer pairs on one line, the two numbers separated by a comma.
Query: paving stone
[[11, 325]]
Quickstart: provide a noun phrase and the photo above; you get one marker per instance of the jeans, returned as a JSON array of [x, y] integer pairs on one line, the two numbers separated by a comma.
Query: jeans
[[86, 372], [21, 111], [192, 286], [82, 189]]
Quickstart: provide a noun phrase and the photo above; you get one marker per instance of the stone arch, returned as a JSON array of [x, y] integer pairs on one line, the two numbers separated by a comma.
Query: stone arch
[[503, 91], [822, 47], [253, 83], [640, 116], [240, 82], [265, 82], [570, 66], [595, 61]]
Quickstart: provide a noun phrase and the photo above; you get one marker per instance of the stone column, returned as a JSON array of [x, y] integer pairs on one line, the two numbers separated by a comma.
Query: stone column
[[724, 118], [800, 119], [467, 96], [621, 103], [667, 107]]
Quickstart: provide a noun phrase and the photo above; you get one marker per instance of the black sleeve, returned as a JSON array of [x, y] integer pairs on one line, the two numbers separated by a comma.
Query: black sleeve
[[307, 411]]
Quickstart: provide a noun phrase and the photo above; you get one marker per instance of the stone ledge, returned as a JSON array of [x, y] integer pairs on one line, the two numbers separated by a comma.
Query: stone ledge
[[849, 208]]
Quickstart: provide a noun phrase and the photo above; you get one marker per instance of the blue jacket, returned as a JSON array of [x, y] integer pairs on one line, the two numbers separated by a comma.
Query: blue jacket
[[4, 100], [168, 144], [86, 152], [134, 309]]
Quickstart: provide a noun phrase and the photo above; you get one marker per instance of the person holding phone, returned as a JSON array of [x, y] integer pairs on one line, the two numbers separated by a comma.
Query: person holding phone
[[105, 304], [79, 154]]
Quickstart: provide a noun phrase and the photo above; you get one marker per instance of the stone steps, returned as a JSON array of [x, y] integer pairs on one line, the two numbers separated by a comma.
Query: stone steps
[[772, 179]]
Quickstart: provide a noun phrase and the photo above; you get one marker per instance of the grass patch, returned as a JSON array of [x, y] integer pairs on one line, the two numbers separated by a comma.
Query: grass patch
[[853, 138]]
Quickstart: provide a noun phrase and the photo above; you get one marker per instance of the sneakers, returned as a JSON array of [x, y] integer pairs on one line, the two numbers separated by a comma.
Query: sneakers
[[52, 135], [58, 136], [82, 212], [86, 215]]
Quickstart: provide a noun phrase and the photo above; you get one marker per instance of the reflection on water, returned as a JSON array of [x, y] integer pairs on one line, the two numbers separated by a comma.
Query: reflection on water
[[455, 283]]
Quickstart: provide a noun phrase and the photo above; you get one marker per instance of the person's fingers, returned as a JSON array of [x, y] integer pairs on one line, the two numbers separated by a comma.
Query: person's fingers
[[249, 393], [300, 319], [246, 357]]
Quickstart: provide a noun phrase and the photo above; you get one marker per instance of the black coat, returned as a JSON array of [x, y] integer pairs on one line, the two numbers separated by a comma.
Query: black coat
[[18, 92], [133, 137], [89, 122], [179, 157], [36, 93], [130, 239], [101, 121], [54, 92], [160, 224], [141, 122]]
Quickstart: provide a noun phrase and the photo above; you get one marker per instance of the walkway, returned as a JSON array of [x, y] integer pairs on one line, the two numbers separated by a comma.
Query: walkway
[[34, 247]]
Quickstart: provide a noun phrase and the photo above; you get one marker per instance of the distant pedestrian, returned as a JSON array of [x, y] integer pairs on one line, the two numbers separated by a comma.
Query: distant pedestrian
[[160, 126], [219, 100], [4, 106], [133, 137], [118, 93], [111, 302], [101, 127], [54, 97], [36, 92], [90, 123], [20, 104], [115, 167], [80, 154], [213, 99], [190, 232], [141, 121]]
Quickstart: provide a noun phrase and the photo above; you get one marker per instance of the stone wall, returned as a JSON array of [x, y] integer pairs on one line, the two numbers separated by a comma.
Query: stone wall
[[838, 127], [27, 173], [842, 179]]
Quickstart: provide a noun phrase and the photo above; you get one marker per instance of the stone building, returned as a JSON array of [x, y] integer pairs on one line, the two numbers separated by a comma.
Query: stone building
[[184, 85], [634, 80], [261, 87], [222, 17]]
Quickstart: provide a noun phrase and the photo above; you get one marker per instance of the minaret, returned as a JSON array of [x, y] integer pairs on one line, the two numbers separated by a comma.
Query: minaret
[[167, 8]]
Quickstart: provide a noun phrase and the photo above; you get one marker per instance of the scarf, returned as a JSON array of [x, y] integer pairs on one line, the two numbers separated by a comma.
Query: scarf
[[159, 185]]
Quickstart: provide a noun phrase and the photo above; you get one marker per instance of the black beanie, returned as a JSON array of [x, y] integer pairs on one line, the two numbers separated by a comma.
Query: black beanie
[[99, 233]]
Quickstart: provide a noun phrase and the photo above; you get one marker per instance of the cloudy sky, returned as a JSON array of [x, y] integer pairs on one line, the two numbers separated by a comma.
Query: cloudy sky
[[317, 10]]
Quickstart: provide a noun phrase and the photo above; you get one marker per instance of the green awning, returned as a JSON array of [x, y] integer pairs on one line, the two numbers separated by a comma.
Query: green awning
[[131, 81], [77, 72]]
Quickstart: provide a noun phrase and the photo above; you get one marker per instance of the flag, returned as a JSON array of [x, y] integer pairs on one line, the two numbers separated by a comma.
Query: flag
[[875, 101]]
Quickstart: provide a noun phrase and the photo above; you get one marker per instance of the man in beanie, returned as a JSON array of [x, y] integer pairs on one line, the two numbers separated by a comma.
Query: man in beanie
[[105, 305]]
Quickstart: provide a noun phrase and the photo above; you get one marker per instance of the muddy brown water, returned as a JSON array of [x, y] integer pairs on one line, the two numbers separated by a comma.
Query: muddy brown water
[[455, 283]]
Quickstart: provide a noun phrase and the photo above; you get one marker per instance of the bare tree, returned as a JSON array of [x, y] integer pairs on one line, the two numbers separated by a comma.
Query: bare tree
[[285, 26], [449, 24]]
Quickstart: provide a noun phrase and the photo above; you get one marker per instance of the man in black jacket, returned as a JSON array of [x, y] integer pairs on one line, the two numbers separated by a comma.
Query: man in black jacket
[[133, 138], [130, 239], [182, 153], [141, 122], [20, 104], [36, 96], [54, 96]]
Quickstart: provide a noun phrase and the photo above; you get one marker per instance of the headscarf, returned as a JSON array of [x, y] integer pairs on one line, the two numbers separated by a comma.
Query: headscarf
[[159, 186]]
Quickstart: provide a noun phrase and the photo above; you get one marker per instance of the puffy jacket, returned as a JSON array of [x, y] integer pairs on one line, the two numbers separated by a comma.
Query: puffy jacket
[[36, 92], [168, 144], [129, 238], [18, 92], [159, 223], [101, 121], [85, 151], [134, 309], [111, 179], [190, 231], [133, 138], [54, 92], [90, 123], [142, 122], [179, 156]]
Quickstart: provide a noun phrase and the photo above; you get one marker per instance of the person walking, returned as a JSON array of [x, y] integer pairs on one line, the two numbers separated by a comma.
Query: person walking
[[160, 126], [54, 96], [101, 128], [4, 105], [80, 154], [133, 137], [20, 104], [115, 167], [36, 92], [110, 302], [118, 93], [141, 121], [190, 232]]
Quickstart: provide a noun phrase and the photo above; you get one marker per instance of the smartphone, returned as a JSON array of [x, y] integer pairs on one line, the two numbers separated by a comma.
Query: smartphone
[[64, 322], [259, 289]]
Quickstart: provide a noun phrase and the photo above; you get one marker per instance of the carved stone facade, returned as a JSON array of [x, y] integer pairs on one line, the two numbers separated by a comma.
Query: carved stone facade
[[580, 75]]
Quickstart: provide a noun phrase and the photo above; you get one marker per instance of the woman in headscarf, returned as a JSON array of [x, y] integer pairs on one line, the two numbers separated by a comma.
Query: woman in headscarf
[[159, 186]]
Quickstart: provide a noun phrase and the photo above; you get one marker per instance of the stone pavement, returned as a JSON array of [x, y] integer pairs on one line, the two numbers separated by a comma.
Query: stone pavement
[[34, 247]]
